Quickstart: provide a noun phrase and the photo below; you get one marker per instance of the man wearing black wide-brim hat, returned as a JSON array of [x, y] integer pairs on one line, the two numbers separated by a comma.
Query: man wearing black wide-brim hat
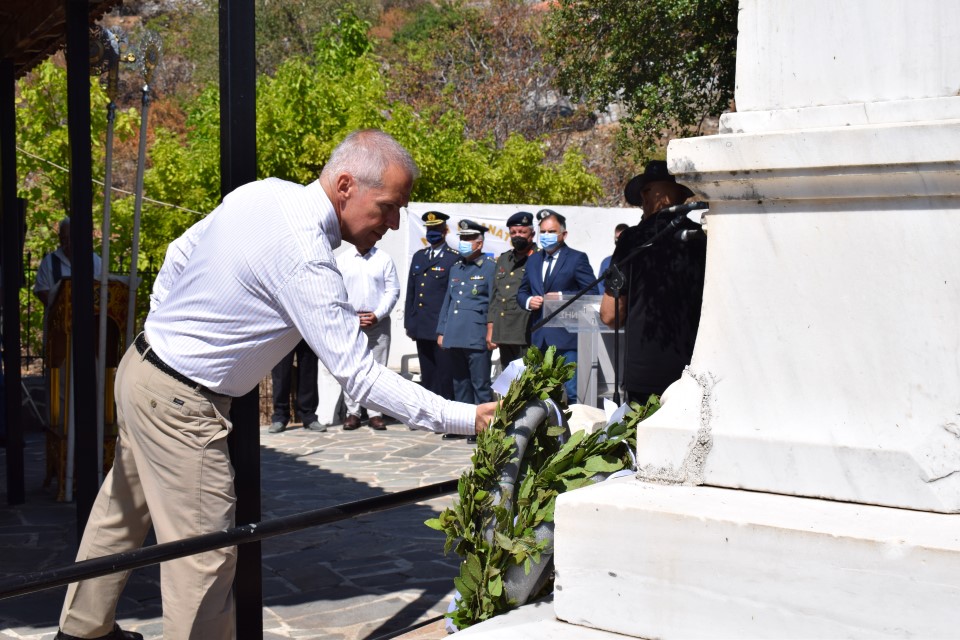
[[660, 301]]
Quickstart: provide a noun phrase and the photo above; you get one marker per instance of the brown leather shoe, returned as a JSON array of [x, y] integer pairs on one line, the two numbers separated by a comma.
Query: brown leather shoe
[[352, 422], [376, 423]]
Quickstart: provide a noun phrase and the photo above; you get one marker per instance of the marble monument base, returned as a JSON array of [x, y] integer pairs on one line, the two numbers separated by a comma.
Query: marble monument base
[[658, 561]]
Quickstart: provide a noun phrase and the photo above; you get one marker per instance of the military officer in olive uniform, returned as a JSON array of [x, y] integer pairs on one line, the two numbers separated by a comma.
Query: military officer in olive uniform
[[462, 329], [508, 324], [426, 290]]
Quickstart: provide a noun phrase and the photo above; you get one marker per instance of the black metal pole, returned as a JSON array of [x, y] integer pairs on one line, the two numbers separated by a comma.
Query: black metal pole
[[238, 166], [241, 535], [11, 249], [83, 339]]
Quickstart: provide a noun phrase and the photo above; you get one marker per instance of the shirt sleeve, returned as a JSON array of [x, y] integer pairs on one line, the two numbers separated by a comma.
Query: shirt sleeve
[[315, 299], [391, 288]]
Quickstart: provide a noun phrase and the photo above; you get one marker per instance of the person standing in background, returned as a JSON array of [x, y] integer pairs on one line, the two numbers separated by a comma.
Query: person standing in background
[[551, 273], [462, 329], [426, 289], [56, 265], [373, 290], [659, 304], [307, 398], [508, 324], [620, 228]]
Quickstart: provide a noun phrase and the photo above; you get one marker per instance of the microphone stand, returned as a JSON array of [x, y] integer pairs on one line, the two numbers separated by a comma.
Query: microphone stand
[[615, 283]]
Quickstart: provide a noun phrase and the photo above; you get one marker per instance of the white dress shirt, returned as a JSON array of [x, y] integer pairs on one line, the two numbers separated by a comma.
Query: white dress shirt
[[371, 281], [259, 275]]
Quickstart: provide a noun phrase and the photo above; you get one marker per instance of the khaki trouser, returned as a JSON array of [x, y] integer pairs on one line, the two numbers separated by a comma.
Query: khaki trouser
[[172, 470]]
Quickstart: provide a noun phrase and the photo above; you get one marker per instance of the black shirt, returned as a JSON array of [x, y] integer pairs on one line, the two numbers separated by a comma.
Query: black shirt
[[664, 289]]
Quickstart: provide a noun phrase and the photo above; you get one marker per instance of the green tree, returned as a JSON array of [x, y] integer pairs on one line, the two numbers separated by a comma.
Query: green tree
[[311, 104], [669, 63]]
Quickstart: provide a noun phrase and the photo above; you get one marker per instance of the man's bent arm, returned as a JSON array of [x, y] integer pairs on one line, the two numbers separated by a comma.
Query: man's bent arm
[[607, 310]]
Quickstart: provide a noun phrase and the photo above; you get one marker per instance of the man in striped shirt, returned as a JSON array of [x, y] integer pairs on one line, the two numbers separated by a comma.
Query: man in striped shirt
[[235, 294]]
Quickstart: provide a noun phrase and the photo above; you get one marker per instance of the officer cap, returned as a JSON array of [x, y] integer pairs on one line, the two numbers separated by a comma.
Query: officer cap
[[544, 213], [520, 219], [471, 228], [434, 218], [656, 171]]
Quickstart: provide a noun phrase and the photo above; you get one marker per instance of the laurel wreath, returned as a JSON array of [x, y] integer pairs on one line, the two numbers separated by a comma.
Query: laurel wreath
[[550, 466]]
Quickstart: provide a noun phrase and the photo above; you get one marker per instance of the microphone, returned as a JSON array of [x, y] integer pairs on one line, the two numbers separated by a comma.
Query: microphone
[[686, 235], [683, 209]]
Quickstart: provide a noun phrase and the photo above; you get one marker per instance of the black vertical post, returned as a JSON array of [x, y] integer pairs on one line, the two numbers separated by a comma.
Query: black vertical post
[[83, 370], [9, 209], [238, 166]]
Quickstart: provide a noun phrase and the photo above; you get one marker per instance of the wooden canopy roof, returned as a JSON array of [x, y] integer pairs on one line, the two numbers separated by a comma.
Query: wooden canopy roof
[[32, 30]]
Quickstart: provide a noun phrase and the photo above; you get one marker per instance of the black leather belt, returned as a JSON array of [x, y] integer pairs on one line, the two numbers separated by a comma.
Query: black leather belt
[[143, 347]]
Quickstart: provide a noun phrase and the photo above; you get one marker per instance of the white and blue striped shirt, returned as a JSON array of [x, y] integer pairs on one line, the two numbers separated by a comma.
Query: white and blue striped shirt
[[240, 288]]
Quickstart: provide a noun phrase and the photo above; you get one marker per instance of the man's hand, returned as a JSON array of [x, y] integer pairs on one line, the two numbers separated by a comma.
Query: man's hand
[[491, 345], [367, 319], [484, 415], [554, 295], [440, 341], [535, 302]]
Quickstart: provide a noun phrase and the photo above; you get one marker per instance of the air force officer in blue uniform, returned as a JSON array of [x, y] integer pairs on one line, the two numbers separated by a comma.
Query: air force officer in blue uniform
[[426, 289], [462, 327], [556, 270]]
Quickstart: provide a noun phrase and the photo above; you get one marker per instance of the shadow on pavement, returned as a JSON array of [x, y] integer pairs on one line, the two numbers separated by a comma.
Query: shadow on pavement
[[356, 579]]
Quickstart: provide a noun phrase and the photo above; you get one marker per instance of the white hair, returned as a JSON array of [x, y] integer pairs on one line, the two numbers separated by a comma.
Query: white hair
[[365, 154]]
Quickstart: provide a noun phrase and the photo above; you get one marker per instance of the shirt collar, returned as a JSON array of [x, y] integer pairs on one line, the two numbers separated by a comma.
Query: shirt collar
[[329, 223]]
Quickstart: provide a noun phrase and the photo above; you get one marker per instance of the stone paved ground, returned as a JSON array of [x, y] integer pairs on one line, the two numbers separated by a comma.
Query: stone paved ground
[[364, 578]]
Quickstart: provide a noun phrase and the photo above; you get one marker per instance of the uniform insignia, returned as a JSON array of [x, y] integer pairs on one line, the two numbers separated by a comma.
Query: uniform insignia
[[464, 225], [476, 277], [431, 217], [437, 269]]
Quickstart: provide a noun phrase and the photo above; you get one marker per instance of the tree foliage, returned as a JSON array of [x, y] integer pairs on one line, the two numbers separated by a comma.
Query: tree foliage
[[310, 104], [669, 63]]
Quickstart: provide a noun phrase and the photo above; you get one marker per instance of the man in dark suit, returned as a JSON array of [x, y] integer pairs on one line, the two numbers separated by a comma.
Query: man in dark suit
[[555, 271], [426, 289]]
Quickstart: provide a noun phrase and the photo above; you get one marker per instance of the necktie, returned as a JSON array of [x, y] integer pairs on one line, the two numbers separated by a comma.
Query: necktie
[[546, 276]]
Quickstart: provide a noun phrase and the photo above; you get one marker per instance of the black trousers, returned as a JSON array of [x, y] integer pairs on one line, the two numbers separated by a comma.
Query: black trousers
[[436, 368], [307, 394], [511, 352]]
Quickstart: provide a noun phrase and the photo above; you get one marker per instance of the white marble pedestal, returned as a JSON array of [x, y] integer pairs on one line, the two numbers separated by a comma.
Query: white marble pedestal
[[659, 561], [802, 479]]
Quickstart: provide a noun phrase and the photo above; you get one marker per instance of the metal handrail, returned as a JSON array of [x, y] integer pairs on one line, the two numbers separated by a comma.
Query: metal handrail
[[96, 567]]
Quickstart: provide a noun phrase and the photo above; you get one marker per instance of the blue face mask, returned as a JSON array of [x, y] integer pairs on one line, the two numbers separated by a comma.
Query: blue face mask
[[465, 248], [434, 236], [548, 241]]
